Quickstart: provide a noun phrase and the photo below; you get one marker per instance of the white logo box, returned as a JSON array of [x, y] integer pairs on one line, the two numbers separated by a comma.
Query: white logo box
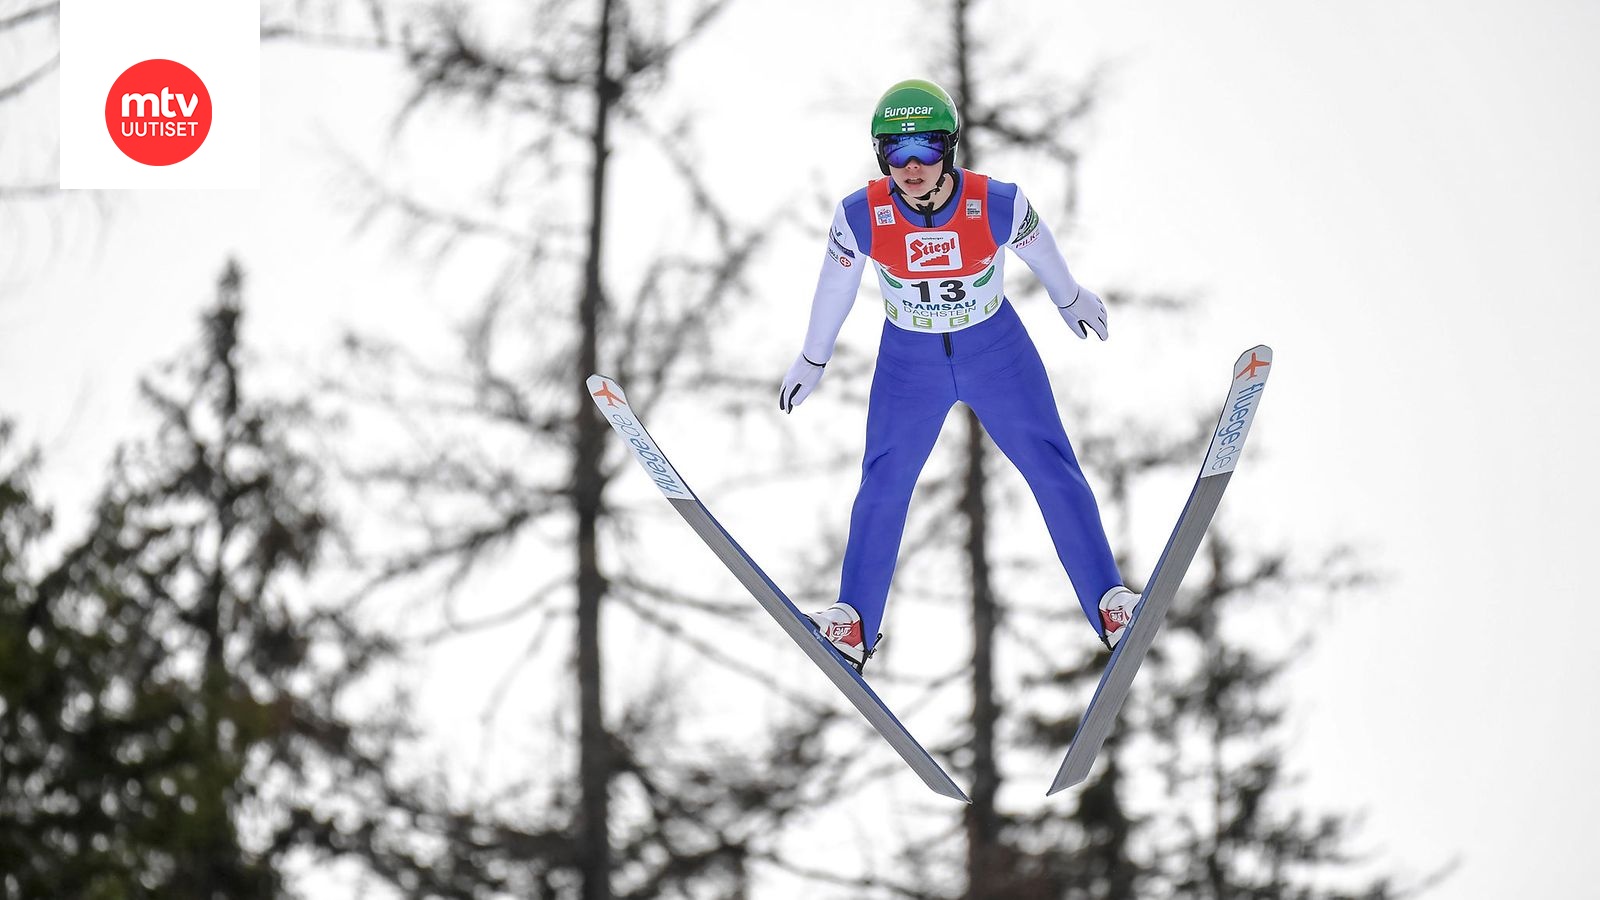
[[219, 39]]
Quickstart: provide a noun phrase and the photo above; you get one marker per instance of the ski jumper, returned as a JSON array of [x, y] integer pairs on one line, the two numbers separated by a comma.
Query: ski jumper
[[951, 335]]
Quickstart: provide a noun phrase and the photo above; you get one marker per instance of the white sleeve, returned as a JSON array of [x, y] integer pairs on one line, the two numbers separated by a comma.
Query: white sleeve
[[836, 289], [1035, 245]]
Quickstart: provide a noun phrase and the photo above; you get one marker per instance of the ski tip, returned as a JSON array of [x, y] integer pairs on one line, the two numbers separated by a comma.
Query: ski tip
[[606, 392], [1253, 364], [1250, 375]]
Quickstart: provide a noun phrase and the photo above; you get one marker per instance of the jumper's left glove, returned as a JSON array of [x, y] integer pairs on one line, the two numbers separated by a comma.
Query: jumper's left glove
[[798, 384], [1085, 312]]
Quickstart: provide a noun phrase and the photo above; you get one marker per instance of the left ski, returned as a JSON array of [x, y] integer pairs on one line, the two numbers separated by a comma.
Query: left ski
[[1227, 443], [608, 396]]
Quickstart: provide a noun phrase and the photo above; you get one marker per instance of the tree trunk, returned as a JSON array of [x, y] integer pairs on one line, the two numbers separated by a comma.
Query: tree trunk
[[594, 766], [985, 856], [985, 867]]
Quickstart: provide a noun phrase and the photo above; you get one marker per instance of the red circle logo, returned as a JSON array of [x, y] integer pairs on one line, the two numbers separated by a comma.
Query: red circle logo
[[158, 112]]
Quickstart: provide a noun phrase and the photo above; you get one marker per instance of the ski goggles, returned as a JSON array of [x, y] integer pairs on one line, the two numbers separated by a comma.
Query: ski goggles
[[926, 147]]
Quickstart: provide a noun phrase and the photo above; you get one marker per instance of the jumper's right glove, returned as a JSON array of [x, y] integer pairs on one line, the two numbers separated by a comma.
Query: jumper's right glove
[[1085, 310], [798, 384]]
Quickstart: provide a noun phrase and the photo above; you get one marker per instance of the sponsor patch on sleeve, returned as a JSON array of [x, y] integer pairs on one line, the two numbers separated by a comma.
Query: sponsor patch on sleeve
[[840, 253], [1029, 232]]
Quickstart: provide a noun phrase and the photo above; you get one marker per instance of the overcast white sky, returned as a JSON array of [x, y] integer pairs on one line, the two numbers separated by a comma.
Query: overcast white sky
[[1400, 197]]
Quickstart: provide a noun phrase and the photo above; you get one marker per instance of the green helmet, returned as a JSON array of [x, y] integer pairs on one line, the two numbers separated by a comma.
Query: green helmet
[[913, 106]]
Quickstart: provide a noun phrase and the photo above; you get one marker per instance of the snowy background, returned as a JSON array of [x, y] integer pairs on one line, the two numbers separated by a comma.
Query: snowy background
[[1400, 197]]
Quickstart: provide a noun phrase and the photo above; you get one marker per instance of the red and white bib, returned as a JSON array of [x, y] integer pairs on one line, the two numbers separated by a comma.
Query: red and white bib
[[937, 279]]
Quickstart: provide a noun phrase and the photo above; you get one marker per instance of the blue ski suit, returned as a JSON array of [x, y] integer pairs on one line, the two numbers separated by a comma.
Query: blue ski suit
[[951, 335]]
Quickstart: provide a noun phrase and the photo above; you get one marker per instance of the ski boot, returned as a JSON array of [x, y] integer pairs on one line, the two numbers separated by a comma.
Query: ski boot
[[840, 624], [1116, 614]]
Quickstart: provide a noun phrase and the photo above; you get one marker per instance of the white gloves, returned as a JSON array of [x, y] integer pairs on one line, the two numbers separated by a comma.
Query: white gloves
[[798, 384], [1085, 310]]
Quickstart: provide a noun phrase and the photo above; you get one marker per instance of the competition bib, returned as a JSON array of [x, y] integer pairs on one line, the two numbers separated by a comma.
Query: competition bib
[[937, 279]]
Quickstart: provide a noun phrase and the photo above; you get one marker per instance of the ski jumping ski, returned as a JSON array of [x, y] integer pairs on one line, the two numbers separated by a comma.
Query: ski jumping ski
[[1227, 442], [613, 404]]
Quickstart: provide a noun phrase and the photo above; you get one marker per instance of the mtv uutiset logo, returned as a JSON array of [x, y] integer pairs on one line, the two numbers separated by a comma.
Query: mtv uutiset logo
[[161, 94], [158, 112]]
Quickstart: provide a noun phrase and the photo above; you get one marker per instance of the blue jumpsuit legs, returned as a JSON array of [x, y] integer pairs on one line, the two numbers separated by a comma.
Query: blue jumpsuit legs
[[994, 368]]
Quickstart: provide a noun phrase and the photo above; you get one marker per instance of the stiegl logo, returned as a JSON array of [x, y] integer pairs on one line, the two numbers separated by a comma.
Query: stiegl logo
[[933, 251], [158, 112]]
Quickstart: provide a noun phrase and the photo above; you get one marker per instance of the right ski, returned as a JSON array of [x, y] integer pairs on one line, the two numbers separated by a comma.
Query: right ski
[[1244, 397], [608, 396]]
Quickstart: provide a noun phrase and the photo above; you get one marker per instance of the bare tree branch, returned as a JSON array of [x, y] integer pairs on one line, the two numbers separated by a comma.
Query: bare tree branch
[[28, 15], [8, 91]]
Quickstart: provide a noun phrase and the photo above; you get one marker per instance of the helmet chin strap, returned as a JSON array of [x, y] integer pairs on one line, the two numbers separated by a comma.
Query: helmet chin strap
[[922, 202]]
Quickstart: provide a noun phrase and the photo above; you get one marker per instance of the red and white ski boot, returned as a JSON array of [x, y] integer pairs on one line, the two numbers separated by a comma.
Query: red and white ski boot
[[1116, 614], [841, 625]]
